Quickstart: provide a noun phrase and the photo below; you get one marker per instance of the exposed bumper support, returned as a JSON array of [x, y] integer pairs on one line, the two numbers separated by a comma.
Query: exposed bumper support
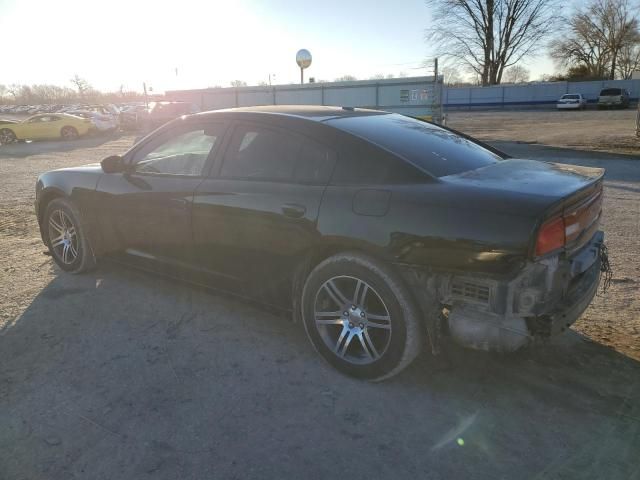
[[498, 314]]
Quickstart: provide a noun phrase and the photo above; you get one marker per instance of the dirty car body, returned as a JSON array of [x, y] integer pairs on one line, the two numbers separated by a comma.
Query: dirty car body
[[496, 251]]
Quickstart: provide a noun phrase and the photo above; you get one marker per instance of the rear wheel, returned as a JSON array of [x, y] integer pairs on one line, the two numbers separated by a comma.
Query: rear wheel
[[66, 237], [69, 133], [360, 317], [7, 136]]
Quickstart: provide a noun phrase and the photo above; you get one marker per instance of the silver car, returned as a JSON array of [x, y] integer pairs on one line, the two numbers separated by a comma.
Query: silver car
[[572, 101]]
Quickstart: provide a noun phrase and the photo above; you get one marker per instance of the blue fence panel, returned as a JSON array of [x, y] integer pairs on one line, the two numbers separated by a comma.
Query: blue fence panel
[[532, 95], [253, 98], [299, 96], [350, 96]]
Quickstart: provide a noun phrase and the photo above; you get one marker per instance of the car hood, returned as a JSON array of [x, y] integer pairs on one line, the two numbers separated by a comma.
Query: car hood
[[525, 186], [89, 168]]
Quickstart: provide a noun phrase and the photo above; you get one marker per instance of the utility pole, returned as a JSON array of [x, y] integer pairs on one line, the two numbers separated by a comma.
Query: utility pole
[[146, 98]]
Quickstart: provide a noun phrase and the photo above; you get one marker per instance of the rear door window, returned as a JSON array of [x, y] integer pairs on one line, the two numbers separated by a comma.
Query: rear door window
[[432, 149], [314, 164], [260, 153], [608, 92]]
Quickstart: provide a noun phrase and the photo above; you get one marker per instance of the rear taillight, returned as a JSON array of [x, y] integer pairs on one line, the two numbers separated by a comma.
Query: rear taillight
[[550, 237], [560, 231]]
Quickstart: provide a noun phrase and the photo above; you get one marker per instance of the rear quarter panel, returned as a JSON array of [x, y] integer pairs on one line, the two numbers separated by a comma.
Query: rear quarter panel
[[429, 225]]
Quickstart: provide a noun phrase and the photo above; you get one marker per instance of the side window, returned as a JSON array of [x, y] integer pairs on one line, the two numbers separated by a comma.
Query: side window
[[364, 165], [260, 153], [315, 163], [35, 120], [183, 153]]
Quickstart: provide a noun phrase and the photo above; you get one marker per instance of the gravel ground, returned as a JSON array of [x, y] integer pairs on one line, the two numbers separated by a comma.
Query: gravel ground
[[593, 130], [118, 374]]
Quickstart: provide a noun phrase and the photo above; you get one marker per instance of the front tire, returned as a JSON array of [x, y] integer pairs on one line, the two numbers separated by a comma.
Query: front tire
[[66, 238], [69, 133], [360, 317], [7, 136]]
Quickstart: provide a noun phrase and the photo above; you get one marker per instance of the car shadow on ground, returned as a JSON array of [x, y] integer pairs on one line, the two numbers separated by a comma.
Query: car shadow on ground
[[120, 374], [26, 149]]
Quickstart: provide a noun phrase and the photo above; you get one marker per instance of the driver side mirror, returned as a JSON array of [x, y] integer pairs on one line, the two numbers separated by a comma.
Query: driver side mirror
[[113, 164]]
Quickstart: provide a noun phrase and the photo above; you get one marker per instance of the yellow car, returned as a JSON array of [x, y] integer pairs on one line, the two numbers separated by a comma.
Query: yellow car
[[45, 126]]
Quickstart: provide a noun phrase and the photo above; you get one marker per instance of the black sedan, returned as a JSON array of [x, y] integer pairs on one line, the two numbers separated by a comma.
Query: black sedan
[[380, 233]]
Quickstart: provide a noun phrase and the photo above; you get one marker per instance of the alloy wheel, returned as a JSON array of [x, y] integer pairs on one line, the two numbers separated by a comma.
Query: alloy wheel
[[69, 133], [6, 136], [63, 236], [352, 320]]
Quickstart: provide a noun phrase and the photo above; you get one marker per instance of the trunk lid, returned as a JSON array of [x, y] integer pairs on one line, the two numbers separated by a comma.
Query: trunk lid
[[551, 181], [542, 190]]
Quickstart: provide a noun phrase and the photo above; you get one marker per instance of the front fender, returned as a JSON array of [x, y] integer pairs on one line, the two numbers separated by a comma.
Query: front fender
[[78, 185]]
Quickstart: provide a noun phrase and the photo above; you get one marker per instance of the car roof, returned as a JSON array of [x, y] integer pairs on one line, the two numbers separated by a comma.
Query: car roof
[[307, 112]]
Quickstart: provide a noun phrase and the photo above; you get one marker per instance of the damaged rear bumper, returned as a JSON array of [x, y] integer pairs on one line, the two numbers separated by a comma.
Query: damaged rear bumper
[[542, 300]]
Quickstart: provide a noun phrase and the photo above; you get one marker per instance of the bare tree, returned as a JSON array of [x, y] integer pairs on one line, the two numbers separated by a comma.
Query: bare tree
[[14, 90], [628, 61], [487, 36], [517, 74], [451, 75], [345, 78], [81, 85], [620, 28], [238, 83], [602, 33]]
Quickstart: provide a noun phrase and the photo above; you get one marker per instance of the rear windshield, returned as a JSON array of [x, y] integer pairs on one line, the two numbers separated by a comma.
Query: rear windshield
[[571, 97], [429, 147], [610, 91]]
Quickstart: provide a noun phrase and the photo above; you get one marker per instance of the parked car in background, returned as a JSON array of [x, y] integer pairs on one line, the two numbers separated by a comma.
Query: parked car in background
[[379, 232], [163, 112], [101, 122], [613, 97], [45, 126], [572, 101], [131, 116]]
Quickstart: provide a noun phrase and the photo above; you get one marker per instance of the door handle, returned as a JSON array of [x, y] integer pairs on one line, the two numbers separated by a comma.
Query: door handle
[[294, 210]]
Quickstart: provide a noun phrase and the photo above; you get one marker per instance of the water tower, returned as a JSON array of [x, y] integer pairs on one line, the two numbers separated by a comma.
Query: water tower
[[303, 59]]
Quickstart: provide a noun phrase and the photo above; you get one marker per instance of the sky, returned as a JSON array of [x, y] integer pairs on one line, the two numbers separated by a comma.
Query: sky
[[118, 43]]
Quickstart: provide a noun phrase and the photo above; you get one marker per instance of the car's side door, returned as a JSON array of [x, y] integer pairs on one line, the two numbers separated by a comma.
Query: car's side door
[[34, 128], [255, 216], [52, 126], [146, 210]]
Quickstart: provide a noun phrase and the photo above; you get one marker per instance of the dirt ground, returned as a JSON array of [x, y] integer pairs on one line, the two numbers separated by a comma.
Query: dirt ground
[[118, 374], [594, 130]]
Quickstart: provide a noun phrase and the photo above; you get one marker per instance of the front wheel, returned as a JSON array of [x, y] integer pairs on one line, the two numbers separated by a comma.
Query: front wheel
[[360, 317], [69, 133], [7, 136], [66, 237]]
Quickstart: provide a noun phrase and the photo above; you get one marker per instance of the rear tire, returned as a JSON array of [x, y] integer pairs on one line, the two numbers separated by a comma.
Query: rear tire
[[66, 237], [69, 133], [7, 136], [360, 317]]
